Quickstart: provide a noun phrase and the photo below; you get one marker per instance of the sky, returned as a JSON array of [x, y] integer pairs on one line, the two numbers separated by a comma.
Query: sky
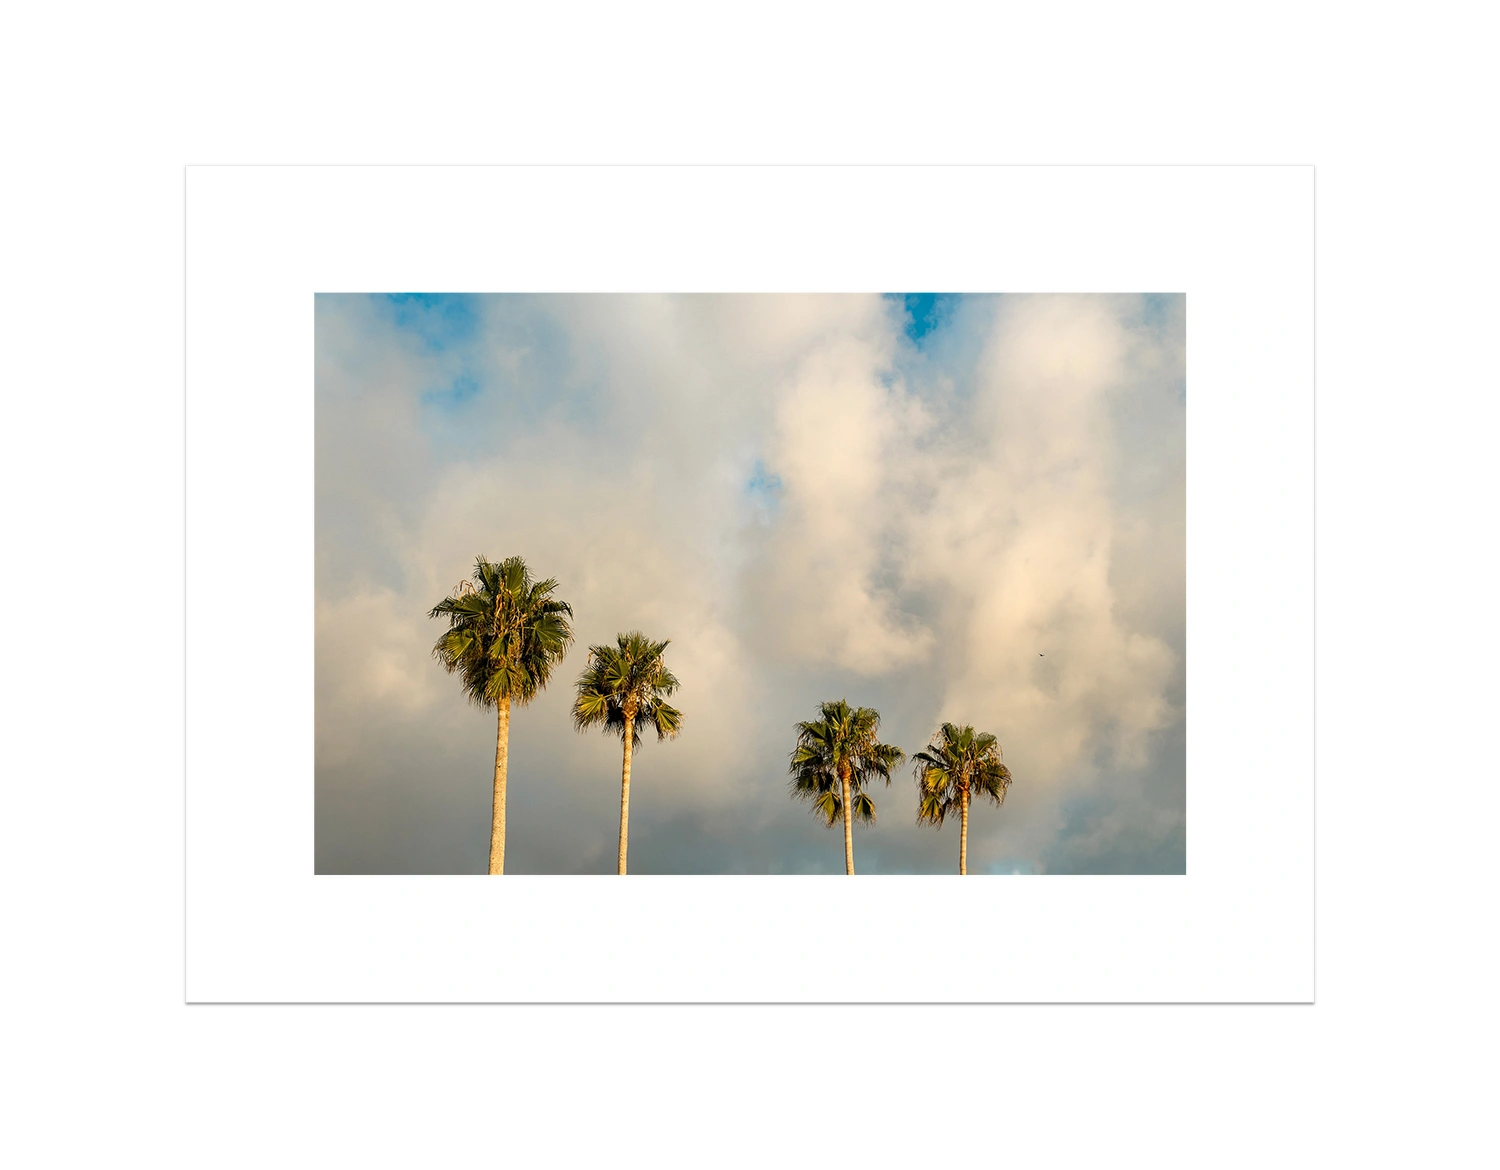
[[964, 508]]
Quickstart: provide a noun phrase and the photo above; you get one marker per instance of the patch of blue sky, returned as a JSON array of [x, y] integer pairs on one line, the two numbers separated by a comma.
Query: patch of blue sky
[[439, 320], [944, 334], [763, 489], [455, 419], [1162, 313], [504, 370], [464, 388], [762, 482], [535, 370], [1159, 308], [926, 312]]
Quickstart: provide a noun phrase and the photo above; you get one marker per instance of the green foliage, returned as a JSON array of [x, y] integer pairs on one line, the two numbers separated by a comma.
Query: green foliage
[[842, 744], [505, 632], [627, 683], [958, 760]]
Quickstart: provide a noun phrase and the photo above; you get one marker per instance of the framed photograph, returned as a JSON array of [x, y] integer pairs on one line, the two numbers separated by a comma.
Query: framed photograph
[[736, 530]]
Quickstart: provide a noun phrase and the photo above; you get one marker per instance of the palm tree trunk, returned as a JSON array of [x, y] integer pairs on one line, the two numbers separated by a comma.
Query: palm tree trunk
[[502, 764], [848, 827], [963, 832], [625, 792]]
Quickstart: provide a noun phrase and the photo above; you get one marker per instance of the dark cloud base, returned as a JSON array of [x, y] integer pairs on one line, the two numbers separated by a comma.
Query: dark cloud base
[[414, 815]]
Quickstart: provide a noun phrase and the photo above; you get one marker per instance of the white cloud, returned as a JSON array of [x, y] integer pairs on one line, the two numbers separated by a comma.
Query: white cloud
[[826, 573], [1020, 535]]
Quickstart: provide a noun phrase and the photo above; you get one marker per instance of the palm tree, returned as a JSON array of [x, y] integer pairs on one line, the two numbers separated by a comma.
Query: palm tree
[[834, 761], [958, 765], [624, 689], [505, 634]]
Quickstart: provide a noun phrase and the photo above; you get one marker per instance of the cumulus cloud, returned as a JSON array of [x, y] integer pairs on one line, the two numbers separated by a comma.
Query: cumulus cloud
[[1022, 532], [982, 523], [826, 576]]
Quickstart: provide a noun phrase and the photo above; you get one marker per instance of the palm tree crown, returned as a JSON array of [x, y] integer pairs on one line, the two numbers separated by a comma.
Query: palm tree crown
[[836, 758], [505, 632], [627, 681], [958, 766], [624, 689], [958, 760]]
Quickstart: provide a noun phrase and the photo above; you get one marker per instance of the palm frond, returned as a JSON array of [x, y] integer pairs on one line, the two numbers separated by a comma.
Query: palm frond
[[993, 782], [667, 721], [829, 807], [931, 808]]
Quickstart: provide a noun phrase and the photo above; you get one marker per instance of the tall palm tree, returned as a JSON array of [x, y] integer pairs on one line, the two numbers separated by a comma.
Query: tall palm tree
[[505, 634], [959, 765], [833, 763], [625, 688]]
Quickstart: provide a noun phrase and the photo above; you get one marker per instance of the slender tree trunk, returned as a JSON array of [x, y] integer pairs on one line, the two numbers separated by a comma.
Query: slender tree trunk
[[848, 825], [502, 763], [963, 832], [625, 788]]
